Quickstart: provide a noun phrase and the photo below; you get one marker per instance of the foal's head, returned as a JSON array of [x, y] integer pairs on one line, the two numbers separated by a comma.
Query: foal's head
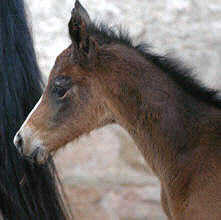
[[73, 102]]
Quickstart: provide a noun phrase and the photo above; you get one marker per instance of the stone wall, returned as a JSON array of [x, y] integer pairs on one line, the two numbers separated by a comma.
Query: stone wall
[[104, 175]]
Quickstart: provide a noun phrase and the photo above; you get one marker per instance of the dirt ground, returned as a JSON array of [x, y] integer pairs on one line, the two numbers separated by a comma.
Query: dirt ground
[[104, 175]]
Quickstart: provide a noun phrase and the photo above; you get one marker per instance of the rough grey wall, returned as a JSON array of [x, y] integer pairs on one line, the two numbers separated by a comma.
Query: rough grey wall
[[104, 174]]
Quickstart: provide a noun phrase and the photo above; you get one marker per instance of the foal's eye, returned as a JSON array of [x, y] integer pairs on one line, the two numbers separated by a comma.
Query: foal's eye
[[59, 91], [61, 85]]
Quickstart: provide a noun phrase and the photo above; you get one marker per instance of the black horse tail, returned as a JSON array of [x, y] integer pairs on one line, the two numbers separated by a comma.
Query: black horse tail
[[27, 191]]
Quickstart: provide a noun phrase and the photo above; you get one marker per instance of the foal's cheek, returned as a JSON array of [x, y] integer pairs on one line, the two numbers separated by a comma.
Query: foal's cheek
[[59, 111]]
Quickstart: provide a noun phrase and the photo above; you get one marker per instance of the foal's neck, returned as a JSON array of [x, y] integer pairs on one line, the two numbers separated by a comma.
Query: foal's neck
[[169, 126]]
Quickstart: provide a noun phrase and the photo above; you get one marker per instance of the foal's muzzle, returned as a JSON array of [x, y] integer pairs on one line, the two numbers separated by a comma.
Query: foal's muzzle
[[36, 152]]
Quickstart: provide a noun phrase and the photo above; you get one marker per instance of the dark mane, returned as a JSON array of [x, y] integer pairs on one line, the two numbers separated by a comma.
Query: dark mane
[[173, 67], [182, 76]]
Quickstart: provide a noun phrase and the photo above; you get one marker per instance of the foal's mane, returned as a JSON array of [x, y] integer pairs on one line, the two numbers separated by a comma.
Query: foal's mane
[[182, 75]]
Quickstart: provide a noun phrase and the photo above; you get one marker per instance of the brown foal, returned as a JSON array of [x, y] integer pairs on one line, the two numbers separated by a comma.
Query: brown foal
[[102, 78]]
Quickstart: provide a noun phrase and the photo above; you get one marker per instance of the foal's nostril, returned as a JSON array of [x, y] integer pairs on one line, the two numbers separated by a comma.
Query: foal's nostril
[[18, 141]]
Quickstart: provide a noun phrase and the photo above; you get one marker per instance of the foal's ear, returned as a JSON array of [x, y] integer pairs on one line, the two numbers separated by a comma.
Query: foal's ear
[[85, 45], [81, 11], [78, 24]]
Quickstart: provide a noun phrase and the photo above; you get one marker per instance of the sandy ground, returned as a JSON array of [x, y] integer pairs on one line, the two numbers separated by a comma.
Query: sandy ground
[[104, 175]]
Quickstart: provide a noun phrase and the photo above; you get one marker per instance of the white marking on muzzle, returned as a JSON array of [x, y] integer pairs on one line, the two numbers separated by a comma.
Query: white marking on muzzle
[[26, 132], [32, 143], [32, 111]]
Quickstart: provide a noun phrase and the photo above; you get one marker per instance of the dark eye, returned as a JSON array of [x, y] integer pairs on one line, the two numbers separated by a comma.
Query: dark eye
[[59, 91], [61, 85]]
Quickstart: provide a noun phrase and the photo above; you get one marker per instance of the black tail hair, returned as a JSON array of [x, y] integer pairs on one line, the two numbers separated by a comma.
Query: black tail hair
[[27, 191]]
